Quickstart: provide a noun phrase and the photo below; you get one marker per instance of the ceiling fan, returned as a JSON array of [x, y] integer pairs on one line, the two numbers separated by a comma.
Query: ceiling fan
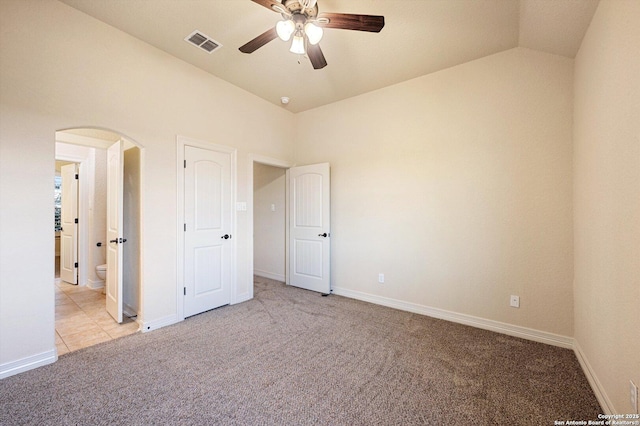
[[302, 21]]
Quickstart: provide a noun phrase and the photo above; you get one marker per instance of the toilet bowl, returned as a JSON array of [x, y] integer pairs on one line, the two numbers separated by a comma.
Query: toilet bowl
[[101, 271]]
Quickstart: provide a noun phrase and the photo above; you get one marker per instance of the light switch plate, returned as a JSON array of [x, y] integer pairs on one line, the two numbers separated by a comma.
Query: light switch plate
[[514, 301]]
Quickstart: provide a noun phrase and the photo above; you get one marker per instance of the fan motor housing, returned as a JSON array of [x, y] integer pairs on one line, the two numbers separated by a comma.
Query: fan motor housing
[[294, 7]]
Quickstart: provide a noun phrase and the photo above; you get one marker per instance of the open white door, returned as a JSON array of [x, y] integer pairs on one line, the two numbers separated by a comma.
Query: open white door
[[69, 222], [310, 227], [114, 230], [208, 248]]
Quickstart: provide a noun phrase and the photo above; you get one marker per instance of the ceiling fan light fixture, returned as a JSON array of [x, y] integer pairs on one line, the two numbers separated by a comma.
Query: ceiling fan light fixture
[[314, 33], [297, 45], [307, 4], [285, 29]]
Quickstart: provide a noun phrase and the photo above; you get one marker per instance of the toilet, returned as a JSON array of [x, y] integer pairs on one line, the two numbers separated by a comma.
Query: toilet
[[101, 271]]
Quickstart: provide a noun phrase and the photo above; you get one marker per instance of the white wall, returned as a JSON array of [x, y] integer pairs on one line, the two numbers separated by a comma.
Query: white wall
[[131, 230], [269, 225], [86, 73], [457, 186], [607, 201]]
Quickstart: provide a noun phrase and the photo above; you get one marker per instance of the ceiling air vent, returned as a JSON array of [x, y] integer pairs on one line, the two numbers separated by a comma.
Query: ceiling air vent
[[202, 41]]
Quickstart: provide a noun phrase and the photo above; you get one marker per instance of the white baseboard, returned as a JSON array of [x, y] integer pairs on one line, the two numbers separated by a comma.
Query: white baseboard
[[95, 284], [146, 326], [28, 363], [598, 389], [270, 275], [485, 324]]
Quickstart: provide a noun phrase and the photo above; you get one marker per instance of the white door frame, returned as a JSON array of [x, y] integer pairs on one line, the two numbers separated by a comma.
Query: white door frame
[[274, 162], [183, 141]]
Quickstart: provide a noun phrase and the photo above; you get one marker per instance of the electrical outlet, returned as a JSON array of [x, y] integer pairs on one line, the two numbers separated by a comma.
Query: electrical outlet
[[633, 396], [381, 278], [515, 301]]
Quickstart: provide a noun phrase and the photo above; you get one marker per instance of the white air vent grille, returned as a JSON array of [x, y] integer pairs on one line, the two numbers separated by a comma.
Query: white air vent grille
[[202, 41]]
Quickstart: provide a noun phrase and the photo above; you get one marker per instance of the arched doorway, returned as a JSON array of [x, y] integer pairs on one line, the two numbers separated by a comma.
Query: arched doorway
[[81, 315]]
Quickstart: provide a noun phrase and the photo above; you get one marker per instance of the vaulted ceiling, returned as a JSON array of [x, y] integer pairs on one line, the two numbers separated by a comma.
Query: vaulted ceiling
[[419, 37]]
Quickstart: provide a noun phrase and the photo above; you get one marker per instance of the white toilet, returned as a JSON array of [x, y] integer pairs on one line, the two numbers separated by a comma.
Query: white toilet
[[101, 271]]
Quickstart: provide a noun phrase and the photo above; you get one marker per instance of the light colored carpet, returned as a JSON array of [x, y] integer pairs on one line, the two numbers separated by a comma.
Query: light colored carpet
[[292, 357]]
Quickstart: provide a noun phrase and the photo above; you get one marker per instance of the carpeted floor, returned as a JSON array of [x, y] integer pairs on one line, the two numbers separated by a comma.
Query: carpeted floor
[[292, 357]]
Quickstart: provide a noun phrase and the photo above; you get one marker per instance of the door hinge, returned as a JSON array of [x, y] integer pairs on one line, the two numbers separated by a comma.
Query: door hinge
[[184, 290], [77, 176], [76, 220], [75, 265], [185, 164], [185, 227]]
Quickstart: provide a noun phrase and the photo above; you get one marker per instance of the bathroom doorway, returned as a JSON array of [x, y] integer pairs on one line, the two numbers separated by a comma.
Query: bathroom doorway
[[81, 316]]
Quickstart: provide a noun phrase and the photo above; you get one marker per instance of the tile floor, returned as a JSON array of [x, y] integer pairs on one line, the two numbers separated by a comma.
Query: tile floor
[[82, 320]]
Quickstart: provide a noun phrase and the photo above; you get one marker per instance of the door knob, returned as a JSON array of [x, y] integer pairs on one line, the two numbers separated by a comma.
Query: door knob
[[324, 235], [114, 241], [226, 236]]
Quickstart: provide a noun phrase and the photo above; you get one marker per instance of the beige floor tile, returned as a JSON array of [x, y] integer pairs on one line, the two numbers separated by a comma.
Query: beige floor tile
[[92, 308], [83, 299], [69, 328], [64, 300], [88, 334], [62, 349], [68, 309], [82, 319], [107, 323], [85, 341], [123, 330]]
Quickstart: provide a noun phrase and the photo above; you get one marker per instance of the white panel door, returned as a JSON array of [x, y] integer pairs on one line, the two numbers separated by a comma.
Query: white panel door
[[207, 230], [69, 217], [310, 227], [114, 230]]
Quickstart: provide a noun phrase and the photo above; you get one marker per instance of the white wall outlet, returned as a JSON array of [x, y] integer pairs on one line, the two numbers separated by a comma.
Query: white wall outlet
[[273, 207], [514, 301], [380, 278], [633, 396]]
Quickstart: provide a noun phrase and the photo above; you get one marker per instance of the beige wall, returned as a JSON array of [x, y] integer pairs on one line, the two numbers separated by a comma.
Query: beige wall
[[607, 200], [61, 69], [131, 226], [457, 186], [269, 225]]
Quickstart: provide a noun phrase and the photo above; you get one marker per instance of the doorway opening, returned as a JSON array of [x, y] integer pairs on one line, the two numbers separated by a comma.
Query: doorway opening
[[81, 315], [305, 217], [269, 222]]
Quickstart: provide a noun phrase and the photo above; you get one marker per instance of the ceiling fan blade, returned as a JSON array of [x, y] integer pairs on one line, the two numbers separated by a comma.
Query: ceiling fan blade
[[348, 21], [269, 4], [316, 56], [259, 41]]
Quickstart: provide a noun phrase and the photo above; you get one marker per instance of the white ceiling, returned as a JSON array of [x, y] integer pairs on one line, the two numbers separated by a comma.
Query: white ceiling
[[419, 37]]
